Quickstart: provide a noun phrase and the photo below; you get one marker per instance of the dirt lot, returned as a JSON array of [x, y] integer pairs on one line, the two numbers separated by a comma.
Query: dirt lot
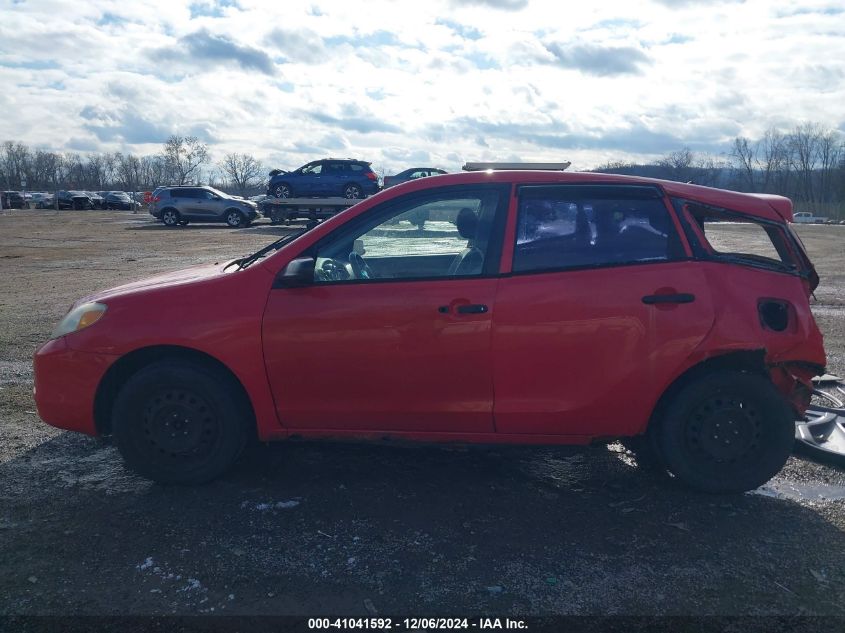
[[353, 529]]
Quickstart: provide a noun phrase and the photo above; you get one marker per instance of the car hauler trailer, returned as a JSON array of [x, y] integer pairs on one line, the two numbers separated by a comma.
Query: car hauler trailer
[[280, 210]]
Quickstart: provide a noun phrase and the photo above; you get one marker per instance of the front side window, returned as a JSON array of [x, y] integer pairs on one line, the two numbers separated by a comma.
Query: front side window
[[433, 236], [574, 226], [313, 169]]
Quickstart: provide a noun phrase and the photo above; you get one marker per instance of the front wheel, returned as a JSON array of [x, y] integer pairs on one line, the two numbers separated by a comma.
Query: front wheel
[[235, 219], [179, 423], [282, 191], [727, 432]]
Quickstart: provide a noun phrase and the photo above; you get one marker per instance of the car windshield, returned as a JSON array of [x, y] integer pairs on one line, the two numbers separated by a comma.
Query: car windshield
[[222, 194]]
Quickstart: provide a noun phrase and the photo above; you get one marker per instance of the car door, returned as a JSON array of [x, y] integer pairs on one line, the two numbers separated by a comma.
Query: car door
[[189, 203], [600, 312], [334, 178], [402, 343], [308, 181], [215, 203]]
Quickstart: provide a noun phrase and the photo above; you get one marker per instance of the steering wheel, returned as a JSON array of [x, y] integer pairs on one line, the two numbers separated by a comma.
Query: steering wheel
[[360, 268], [331, 271]]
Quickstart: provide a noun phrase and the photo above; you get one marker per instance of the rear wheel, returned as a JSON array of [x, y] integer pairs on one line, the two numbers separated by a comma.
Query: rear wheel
[[727, 432], [170, 217], [179, 422], [352, 192]]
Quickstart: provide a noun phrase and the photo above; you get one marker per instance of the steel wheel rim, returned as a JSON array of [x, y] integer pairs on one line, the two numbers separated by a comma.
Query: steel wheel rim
[[169, 217], [234, 218], [179, 426], [725, 429], [352, 193]]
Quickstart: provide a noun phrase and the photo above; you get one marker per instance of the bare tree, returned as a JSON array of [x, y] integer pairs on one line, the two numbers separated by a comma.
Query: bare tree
[[15, 157], [708, 170], [804, 155], [243, 170], [153, 171], [774, 148], [678, 164], [184, 157], [745, 155], [129, 171], [831, 154]]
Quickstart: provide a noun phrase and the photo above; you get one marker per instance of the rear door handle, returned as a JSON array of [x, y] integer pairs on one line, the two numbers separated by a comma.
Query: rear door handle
[[472, 308], [467, 308], [681, 297]]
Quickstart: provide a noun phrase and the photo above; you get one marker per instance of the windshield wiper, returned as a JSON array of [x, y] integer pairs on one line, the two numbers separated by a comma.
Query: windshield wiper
[[247, 260]]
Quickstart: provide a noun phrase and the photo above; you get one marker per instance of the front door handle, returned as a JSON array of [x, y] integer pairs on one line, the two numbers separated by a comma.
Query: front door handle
[[681, 297], [472, 308]]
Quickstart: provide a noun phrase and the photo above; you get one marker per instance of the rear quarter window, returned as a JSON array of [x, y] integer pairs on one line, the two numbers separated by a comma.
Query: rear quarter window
[[722, 234]]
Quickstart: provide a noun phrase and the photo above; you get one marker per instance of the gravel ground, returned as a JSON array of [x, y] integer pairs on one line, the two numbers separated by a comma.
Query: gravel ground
[[318, 528]]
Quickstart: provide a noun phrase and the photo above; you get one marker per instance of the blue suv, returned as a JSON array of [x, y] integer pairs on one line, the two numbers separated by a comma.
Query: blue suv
[[326, 178]]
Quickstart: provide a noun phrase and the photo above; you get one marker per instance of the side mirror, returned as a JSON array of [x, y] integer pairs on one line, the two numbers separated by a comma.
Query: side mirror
[[297, 274]]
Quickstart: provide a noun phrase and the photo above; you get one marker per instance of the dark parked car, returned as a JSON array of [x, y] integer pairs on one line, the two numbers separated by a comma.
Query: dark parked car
[[179, 205], [411, 174], [97, 201], [117, 200], [13, 200], [326, 178], [74, 200]]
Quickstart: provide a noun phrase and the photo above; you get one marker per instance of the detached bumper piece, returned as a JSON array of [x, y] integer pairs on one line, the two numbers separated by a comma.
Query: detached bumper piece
[[821, 433]]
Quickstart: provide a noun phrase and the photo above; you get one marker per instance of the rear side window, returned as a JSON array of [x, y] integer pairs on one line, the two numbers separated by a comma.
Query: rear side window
[[181, 193], [575, 226], [721, 234], [356, 167]]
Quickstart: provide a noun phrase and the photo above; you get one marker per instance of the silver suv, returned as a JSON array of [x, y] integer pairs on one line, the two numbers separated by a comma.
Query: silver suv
[[180, 205]]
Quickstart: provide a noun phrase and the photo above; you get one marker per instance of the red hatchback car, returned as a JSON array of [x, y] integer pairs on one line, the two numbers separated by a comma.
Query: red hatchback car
[[528, 307]]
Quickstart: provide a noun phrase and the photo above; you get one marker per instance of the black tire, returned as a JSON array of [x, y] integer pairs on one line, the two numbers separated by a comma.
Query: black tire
[[726, 432], [352, 192], [178, 422], [645, 451], [282, 190], [235, 219], [170, 217]]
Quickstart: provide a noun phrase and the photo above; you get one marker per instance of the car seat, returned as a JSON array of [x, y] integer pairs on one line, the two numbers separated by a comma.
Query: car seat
[[470, 260]]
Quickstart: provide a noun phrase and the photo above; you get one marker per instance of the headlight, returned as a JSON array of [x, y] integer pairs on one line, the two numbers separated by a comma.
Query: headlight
[[80, 317]]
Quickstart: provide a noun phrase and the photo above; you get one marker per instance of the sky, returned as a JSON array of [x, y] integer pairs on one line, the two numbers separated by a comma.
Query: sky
[[407, 84]]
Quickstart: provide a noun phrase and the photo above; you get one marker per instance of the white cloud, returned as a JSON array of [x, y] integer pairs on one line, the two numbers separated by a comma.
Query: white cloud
[[398, 82]]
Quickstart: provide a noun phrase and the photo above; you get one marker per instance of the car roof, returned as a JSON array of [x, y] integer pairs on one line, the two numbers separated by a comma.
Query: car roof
[[765, 206]]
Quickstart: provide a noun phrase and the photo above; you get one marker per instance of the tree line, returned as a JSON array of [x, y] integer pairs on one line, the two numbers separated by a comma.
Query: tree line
[[183, 160], [806, 164]]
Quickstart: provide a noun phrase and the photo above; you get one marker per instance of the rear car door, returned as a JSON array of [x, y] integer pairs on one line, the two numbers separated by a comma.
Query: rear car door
[[601, 310], [188, 202], [334, 178], [403, 344]]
